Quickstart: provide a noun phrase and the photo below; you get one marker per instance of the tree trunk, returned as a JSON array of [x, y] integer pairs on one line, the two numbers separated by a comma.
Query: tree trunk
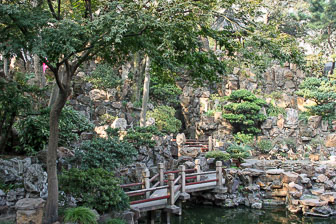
[[54, 92], [145, 94], [40, 79], [6, 67], [51, 210], [138, 70]]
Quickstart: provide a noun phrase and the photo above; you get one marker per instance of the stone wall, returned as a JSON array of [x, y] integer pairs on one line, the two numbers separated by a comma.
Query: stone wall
[[278, 86], [302, 186], [24, 178]]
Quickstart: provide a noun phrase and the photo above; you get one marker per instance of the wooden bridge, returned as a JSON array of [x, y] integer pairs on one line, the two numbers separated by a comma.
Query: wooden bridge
[[161, 193]]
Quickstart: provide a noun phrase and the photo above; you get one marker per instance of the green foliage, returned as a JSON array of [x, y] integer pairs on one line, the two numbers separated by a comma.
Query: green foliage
[[275, 95], [16, 99], [80, 215], [108, 154], [97, 189], [106, 119], [264, 146], [210, 113], [290, 142], [34, 129], [104, 77], [218, 155], [238, 151], [141, 136], [6, 187], [115, 221], [323, 92], [163, 93], [244, 112], [242, 138], [315, 142], [274, 111], [165, 119]]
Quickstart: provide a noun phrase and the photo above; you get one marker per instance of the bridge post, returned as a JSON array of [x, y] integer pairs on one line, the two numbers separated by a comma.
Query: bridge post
[[210, 144], [183, 180], [219, 174], [198, 169], [161, 173], [146, 182], [171, 193]]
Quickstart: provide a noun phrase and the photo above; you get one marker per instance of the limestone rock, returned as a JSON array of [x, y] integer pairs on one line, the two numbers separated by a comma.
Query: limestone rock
[[63, 152], [120, 123], [86, 136], [180, 139], [322, 178], [330, 197], [35, 180], [314, 121], [190, 151], [253, 172], [267, 124], [317, 191], [288, 177], [292, 117], [331, 140], [101, 131], [274, 171], [29, 210], [97, 95], [280, 121], [313, 202], [150, 121], [295, 190]]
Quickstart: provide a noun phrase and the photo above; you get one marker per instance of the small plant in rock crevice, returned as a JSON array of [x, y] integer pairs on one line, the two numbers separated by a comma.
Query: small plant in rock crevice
[[264, 146]]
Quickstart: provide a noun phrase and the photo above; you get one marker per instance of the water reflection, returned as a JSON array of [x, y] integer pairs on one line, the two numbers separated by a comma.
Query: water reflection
[[242, 215]]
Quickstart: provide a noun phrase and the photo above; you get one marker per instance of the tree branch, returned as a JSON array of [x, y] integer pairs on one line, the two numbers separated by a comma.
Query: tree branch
[[59, 9], [136, 34], [52, 9]]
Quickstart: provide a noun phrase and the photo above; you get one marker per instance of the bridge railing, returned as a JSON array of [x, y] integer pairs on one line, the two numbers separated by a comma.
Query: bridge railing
[[204, 145], [174, 185]]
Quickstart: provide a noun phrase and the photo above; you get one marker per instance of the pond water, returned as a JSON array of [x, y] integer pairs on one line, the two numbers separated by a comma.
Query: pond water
[[197, 214]]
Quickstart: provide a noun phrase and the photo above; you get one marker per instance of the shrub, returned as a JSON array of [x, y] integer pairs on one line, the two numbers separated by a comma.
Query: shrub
[[238, 151], [210, 113], [244, 112], [104, 77], [34, 130], [104, 153], [165, 119], [164, 93], [16, 99], [264, 146], [218, 155], [106, 119], [242, 138], [142, 136], [323, 92], [80, 215], [96, 188]]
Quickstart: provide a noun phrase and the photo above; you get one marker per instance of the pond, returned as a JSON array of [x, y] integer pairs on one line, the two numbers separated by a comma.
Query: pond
[[198, 214]]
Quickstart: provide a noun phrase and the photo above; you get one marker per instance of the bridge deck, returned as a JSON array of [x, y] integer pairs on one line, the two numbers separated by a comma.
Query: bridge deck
[[160, 204]]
